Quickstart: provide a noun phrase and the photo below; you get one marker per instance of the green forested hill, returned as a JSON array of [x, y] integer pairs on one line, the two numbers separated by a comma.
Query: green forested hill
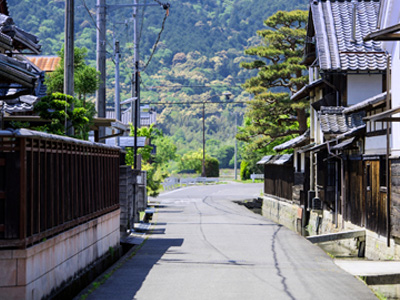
[[198, 56]]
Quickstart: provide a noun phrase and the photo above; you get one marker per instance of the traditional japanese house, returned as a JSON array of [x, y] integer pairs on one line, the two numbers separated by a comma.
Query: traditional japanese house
[[386, 120], [347, 81]]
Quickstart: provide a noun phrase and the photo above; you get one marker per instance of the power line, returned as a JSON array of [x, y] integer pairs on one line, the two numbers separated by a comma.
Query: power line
[[194, 102], [94, 22], [166, 7]]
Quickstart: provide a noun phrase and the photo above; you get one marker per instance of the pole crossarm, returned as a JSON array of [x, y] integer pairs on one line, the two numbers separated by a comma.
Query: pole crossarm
[[195, 102], [117, 6]]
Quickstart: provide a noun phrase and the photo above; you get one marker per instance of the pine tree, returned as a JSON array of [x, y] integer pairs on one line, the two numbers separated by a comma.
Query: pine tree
[[272, 117]]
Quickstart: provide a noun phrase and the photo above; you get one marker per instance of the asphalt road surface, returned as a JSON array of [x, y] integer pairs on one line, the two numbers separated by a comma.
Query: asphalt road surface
[[205, 246]]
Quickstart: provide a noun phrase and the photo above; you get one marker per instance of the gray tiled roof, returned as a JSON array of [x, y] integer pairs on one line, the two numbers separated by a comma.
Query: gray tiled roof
[[21, 104], [146, 118], [296, 142], [333, 21], [334, 121]]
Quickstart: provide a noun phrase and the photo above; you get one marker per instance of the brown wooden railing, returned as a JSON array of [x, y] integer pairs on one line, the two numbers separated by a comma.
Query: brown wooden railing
[[49, 184]]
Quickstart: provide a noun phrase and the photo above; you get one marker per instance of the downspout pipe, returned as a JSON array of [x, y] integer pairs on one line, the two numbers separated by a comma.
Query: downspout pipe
[[342, 187], [388, 105]]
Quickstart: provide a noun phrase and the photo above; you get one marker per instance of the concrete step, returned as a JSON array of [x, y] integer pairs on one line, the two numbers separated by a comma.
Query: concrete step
[[329, 237], [372, 272]]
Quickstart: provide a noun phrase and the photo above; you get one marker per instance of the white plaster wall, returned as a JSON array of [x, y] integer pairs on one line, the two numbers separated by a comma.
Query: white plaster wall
[[395, 98], [361, 87], [34, 272], [375, 145]]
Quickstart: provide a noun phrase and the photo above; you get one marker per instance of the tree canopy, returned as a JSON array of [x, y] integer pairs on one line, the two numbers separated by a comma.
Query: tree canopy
[[272, 117], [86, 78]]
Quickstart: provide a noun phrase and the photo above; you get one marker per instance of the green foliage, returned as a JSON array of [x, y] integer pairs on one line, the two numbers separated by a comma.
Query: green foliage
[[86, 78], [57, 108], [225, 155], [198, 56], [244, 170], [155, 165], [212, 167], [193, 161], [271, 115], [17, 124]]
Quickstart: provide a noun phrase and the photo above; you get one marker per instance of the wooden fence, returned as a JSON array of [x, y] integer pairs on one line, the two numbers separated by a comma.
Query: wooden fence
[[279, 180], [49, 184]]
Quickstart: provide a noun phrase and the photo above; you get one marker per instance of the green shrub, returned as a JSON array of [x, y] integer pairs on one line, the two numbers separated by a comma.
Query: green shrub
[[244, 170], [212, 167]]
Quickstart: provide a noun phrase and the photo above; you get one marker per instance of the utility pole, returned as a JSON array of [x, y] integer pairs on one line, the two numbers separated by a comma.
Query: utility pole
[[117, 93], [69, 56], [135, 82], [101, 60], [203, 166], [235, 146]]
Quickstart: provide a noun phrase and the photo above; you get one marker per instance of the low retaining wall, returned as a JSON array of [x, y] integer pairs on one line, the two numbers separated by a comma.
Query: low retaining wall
[[280, 211], [289, 214], [40, 270]]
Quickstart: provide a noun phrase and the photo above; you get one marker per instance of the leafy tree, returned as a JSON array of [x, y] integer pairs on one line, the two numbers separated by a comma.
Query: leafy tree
[[225, 155], [272, 116], [153, 164], [57, 109], [86, 78], [194, 161]]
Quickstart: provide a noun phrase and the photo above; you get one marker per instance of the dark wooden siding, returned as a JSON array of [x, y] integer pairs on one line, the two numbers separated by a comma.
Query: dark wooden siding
[[355, 206], [48, 186], [375, 198], [278, 180]]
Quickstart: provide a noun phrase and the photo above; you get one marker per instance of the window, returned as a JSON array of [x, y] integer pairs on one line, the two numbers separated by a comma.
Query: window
[[382, 171]]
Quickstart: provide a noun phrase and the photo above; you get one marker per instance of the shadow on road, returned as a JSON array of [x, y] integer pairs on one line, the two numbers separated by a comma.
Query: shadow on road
[[129, 278]]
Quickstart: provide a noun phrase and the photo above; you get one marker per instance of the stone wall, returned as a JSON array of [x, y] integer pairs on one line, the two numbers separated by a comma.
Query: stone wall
[[395, 211], [38, 271], [281, 212]]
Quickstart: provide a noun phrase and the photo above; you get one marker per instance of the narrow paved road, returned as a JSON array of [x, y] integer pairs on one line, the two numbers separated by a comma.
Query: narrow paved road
[[204, 246]]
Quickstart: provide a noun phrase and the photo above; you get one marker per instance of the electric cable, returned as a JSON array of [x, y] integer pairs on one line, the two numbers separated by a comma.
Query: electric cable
[[166, 7], [94, 22]]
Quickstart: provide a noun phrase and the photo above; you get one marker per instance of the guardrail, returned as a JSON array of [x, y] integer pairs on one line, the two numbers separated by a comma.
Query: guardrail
[[174, 182], [256, 176]]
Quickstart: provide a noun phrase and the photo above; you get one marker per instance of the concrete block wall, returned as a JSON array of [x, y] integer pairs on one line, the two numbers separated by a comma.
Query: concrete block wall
[[38, 271], [127, 180], [281, 212]]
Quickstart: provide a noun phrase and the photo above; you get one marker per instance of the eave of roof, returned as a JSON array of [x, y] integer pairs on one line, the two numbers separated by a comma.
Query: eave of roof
[[276, 159], [385, 116], [43, 135], [296, 142], [305, 90], [386, 34], [343, 145], [370, 102], [264, 159]]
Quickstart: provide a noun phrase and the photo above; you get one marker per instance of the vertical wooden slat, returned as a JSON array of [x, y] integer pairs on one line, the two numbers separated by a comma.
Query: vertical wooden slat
[[32, 189], [81, 178], [23, 189], [46, 187], [57, 187], [38, 187]]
